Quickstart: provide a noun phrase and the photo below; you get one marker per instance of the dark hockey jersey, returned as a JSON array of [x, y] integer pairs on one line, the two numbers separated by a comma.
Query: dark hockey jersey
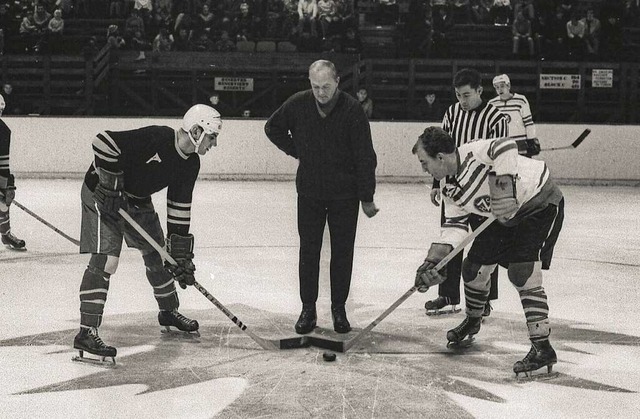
[[150, 159], [5, 142]]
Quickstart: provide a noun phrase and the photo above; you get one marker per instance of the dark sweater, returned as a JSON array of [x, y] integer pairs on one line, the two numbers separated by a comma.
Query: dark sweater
[[335, 153]]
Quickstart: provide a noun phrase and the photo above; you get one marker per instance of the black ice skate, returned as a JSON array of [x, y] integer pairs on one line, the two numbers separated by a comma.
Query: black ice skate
[[487, 310], [87, 340], [435, 307], [173, 318], [540, 355], [462, 335], [13, 243]]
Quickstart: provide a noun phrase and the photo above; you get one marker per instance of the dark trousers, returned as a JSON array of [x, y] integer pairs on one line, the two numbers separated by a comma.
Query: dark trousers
[[342, 217], [451, 286]]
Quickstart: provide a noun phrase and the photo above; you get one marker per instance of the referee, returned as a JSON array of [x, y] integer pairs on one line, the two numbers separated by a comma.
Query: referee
[[468, 120]]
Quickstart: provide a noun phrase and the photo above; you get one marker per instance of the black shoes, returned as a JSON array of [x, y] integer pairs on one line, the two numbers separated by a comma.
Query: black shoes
[[340, 322], [307, 321]]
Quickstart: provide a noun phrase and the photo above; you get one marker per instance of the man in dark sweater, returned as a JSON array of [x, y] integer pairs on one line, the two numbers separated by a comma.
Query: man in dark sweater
[[328, 132]]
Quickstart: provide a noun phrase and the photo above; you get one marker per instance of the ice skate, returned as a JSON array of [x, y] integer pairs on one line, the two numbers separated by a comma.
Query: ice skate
[[487, 310], [13, 243], [87, 340], [540, 355], [173, 318], [437, 306], [462, 335]]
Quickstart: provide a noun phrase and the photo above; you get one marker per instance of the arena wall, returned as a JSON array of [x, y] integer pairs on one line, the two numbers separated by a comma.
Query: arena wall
[[61, 147]]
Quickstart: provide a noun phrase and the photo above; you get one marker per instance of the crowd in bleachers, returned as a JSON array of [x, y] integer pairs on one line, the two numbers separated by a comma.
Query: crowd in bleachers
[[183, 25], [568, 29]]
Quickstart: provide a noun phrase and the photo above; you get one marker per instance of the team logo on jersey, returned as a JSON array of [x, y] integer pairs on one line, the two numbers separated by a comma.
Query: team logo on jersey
[[508, 118], [155, 157], [483, 203]]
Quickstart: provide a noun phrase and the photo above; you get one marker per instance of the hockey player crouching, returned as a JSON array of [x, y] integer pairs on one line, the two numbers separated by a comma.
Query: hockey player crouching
[[128, 167], [485, 177]]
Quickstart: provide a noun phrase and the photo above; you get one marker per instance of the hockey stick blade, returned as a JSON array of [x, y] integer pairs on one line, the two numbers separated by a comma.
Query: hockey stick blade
[[45, 222], [264, 343], [468, 239], [574, 144]]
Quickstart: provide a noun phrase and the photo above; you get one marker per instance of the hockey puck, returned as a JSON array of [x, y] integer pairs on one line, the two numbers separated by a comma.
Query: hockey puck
[[329, 356]]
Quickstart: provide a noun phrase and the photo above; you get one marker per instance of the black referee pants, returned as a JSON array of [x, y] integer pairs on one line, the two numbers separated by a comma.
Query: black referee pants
[[451, 286], [342, 218]]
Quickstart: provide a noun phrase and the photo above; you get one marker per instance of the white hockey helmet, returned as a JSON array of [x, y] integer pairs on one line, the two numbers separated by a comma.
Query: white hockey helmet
[[204, 117], [502, 78]]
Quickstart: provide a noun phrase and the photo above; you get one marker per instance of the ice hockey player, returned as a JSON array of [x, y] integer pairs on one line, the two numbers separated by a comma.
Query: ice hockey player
[[518, 111], [7, 187], [128, 167], [485, 177]]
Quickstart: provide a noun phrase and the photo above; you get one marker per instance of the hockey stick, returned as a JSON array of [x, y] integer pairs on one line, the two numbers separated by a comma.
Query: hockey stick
[[574, 144], [346, 345], [300, 342], [45, 222]]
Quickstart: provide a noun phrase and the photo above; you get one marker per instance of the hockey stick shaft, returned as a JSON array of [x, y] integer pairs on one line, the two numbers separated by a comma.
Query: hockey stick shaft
[[265, 344], [45, 222], [468, 239], [574, 144]]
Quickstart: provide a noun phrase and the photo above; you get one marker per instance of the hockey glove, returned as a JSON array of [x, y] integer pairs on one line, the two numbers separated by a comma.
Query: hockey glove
[[504, 202], [181, 249], [7, 190], [426, 276], [109, 193], [529, 147]]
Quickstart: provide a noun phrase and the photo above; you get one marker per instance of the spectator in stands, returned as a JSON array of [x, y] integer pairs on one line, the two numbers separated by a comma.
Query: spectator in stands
[[133, 24], [183, 41], [114, 39], [431, 109], [575, 37], [41, 18], [274, 17], [521, 30], [567, 8], [11, 106], [419, 28], [611, 35], [163, 42], [290, 17], [366, 102], [203, 43], [225, 44], [205, 20], [29, 34], [307, 14], [462, 11], [185, 21], [144, 8], [327, 13], [244, 23], [526, 7], [220, 106], [555, 32], [592, 29], [502, 12], [116, 8], [139, 43], [351, 43], [56, 24], [346, 15], [442, 25], [481, 12]]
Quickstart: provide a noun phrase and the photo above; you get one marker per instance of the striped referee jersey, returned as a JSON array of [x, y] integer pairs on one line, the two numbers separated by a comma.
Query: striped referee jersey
[[481, 123]]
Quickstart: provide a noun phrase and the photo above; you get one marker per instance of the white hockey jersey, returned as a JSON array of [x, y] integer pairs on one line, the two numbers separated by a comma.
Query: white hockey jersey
[[518, 114], [468, 191]]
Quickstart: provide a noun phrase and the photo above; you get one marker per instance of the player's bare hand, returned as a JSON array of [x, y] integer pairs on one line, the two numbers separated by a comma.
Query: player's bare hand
[[435, 196], [370, 208]]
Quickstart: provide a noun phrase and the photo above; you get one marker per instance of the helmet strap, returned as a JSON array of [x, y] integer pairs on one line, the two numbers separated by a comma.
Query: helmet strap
[[197, 142]]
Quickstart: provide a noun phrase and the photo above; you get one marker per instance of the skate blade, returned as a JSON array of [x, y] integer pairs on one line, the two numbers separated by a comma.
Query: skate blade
[[171, 331], [101, 362], [463, 344], [535, 375], [443, 312], [15, 249]]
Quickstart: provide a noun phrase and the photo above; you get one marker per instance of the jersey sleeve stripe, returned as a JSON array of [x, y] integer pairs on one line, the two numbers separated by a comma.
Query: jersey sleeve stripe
[[109, 142], [174, 213], [102, 156]]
